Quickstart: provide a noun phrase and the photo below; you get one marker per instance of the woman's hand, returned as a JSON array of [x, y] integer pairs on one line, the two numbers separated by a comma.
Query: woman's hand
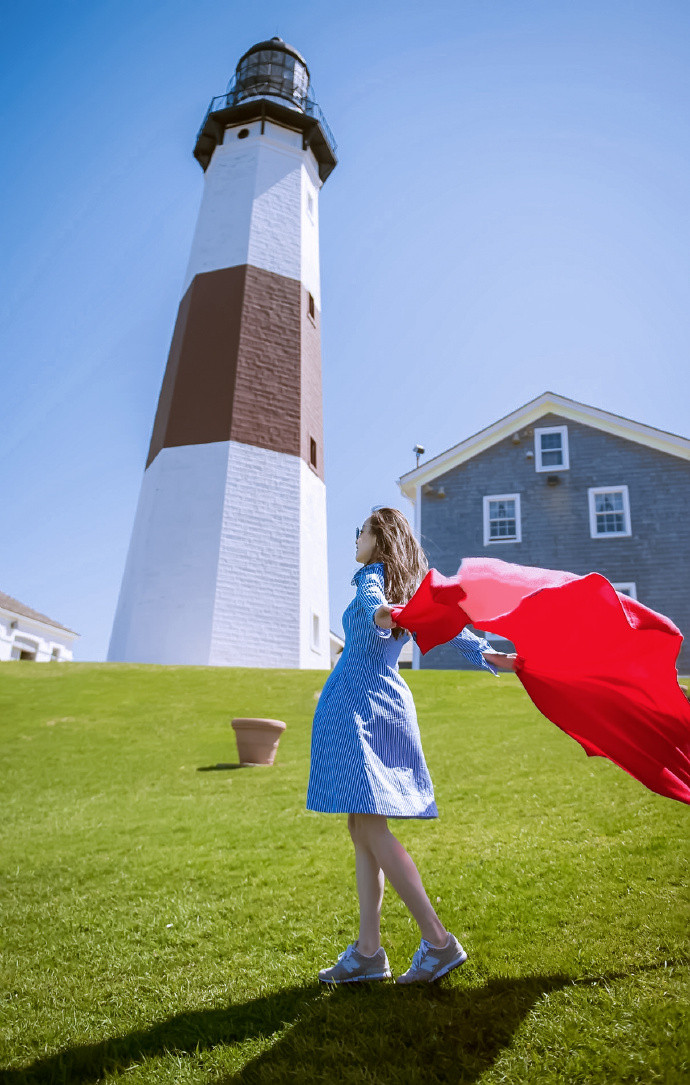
[[502, 660], [382, 618]]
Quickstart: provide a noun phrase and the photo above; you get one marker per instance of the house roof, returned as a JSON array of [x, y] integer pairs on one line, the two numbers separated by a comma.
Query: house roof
[[546, 403], [15, 607]]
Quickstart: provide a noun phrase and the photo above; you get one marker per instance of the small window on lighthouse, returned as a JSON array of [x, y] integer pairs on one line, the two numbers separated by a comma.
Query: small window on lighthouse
[[311, 308], [310, 204], [312, 452], [315, 638]]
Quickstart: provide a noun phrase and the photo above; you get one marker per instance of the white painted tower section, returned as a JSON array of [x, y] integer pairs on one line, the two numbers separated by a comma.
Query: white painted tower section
[[314, 603], [227, 564], [259, 535], [165, 610], [260, 207]]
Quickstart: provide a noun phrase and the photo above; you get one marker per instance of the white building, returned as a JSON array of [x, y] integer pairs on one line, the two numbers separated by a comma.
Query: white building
[[26, 634]]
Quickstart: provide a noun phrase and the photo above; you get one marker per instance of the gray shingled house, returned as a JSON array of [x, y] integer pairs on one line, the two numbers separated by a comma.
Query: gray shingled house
[[564, 486]]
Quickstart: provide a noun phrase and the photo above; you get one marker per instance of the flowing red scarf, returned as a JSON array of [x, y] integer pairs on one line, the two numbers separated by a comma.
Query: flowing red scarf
[[599, 665]]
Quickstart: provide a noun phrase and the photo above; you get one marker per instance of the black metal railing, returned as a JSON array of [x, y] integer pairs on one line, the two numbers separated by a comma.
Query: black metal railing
[[276, 89]]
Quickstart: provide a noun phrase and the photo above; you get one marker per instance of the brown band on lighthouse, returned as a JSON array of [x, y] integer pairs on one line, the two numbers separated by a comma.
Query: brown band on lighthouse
[[244, 365], [195, 404], [266, 410]]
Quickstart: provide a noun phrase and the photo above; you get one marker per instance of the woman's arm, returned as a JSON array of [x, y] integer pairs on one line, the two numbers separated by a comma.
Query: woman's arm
[[479, 652], [465, 640], [503, 660], [382, 618], [371, 598]]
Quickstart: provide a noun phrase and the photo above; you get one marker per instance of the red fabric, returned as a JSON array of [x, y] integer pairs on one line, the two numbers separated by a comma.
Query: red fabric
[[599, 665], [433, 613]]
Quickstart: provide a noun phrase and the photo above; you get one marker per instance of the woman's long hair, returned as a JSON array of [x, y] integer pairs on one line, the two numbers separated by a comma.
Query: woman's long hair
[[403, 559]]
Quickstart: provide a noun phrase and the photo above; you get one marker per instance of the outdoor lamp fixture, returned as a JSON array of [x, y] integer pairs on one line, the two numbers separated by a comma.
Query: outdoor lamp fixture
[[418, 451]]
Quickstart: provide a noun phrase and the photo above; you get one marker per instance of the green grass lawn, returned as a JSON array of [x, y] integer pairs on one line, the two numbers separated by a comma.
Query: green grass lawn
[[162, 923]]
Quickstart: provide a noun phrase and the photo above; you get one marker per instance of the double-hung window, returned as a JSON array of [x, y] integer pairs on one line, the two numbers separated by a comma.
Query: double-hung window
[[609, 512], [502, 518], [551, 448]]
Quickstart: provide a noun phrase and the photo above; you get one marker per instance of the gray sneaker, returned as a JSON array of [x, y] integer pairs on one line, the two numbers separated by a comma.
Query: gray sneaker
[[431, 962], [353, 967]]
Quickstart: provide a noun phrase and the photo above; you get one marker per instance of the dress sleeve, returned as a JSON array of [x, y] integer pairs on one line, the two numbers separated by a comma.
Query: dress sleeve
[[472, 646], [370, 596]]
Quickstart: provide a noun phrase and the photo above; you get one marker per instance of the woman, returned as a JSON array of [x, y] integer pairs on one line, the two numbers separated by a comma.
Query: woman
[[366, 757]]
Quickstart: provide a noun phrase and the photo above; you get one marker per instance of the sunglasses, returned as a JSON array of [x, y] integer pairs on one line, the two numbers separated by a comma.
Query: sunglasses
[[358, 532]]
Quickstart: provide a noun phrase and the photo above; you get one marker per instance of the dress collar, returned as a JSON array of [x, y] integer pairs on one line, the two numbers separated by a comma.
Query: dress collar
[[375, 565]]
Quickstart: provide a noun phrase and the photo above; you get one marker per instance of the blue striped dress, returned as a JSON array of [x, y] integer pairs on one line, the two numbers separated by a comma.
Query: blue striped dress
[[366, 752]]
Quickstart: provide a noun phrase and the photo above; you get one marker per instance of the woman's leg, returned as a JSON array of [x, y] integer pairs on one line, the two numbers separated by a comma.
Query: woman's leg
[[373, 835], [370, 883]]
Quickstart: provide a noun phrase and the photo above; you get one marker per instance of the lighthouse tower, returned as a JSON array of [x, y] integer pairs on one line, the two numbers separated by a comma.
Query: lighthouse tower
[[227, 560]]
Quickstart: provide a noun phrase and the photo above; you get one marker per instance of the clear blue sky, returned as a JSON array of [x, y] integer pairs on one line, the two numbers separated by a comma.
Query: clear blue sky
[[510, 214]]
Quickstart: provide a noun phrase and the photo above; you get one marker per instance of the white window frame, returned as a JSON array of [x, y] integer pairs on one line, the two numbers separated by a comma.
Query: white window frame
[[591, 495], [538, 465], [626, 587], [518, 519]]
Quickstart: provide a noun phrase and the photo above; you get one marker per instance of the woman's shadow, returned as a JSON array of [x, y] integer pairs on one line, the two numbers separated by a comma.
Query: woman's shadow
[[379, 1032]]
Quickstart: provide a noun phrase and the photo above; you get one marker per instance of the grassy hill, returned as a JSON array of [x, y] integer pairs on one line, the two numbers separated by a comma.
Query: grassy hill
[[164, 917]]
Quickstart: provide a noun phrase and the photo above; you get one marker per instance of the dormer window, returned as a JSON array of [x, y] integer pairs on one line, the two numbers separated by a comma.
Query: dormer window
[[551, 448]]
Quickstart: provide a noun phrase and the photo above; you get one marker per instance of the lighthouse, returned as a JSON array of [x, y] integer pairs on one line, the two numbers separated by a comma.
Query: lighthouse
[[227, 559]]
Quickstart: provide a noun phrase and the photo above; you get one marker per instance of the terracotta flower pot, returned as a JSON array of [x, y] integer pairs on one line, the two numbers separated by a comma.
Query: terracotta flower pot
[[257, 740]]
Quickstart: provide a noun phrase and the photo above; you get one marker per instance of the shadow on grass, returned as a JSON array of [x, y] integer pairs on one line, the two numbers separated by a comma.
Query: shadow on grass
[[224, 766], [357, 1033]]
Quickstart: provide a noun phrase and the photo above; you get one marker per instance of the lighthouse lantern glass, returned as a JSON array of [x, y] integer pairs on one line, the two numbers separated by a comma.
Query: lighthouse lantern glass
[[271, 71]]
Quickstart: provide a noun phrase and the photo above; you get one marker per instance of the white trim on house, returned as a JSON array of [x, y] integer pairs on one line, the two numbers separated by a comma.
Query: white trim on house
[[416, 654], [19, 632], [626, 587], [545, 431], [486, 501], [592, 494], [525, 417], [417, 515]]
